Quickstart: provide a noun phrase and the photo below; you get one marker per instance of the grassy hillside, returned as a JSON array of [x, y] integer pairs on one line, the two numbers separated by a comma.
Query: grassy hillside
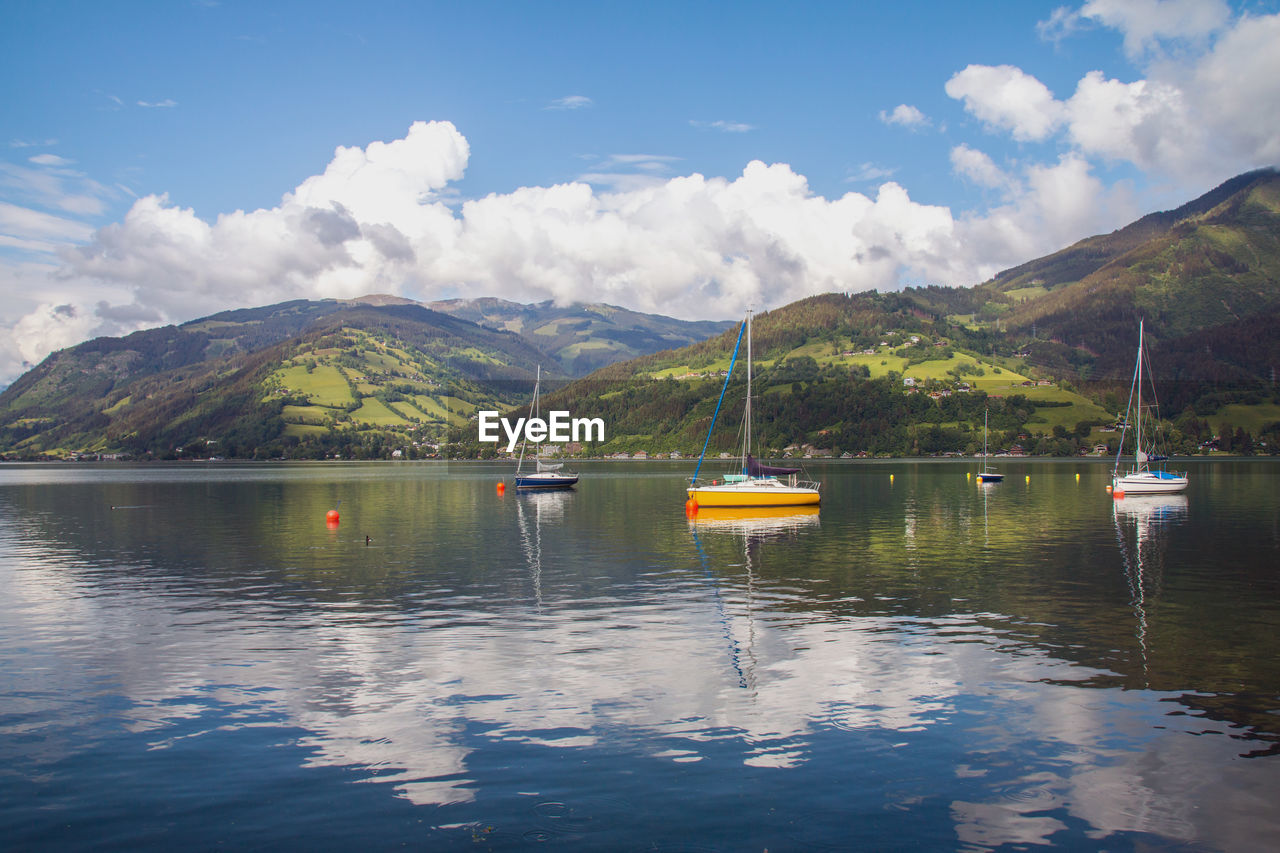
[[1046, 349], [836, 374], [296, 379]]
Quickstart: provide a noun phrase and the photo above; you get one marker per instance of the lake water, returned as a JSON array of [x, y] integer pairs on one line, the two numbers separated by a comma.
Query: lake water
[[191, 658]]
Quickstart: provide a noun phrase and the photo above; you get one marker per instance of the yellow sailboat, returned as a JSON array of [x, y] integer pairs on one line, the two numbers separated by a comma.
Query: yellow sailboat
[[754, 484]]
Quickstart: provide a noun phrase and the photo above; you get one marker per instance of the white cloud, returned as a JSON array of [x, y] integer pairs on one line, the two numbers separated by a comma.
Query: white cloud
[[53, 186], [724, 126], [869, 173], [1207, 113], [907, 116], [1147, 23], [1007, 98], [1236, 88], [165, 104], [50, 160], [32, 143], [1199, 119], [979, 168], [374, 221], [629, 172], [570, 102], [1062, 22], [1046, 207], [631, 231], [17, 222]]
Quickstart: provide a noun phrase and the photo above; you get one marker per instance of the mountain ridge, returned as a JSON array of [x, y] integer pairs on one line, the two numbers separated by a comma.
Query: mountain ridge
[[365, 375]]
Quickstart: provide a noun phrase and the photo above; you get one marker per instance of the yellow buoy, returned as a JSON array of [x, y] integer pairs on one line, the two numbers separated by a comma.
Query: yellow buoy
[[1028, 478]]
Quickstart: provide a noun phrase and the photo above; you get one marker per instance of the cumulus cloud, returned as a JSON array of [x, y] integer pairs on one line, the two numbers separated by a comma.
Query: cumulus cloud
[[1044, 207], [1208, 107], [632, 230], [978, 167], [375, 221], [906, 116], [1007, 98], [1146, 24]]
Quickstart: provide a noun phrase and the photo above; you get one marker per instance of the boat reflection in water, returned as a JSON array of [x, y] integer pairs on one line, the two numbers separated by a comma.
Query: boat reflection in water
[[1142, 534], [736, 602], [532, 509], [756, 522]]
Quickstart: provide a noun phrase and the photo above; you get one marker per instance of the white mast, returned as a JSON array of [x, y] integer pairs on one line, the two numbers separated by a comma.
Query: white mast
[[1138, 456], [533, 413], [746, 442]]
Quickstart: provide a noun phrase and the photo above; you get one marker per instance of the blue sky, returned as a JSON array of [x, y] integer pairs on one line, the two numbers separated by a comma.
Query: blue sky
[[160, 161]]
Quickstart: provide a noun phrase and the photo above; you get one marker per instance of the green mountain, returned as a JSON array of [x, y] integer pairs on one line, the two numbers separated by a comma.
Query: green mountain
[[349, 377], [319, 372], [864, 373], [1046, 349], [583, 337], [1207, 271]]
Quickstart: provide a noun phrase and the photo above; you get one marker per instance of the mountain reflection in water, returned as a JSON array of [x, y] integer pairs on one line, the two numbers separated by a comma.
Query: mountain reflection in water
[[919, 659]]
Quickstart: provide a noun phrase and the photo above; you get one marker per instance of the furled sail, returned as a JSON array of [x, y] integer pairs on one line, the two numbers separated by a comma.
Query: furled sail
[[755, 469]]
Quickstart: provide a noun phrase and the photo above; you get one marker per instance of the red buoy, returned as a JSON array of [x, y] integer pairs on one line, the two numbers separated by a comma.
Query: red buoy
[[691, 507], [331, 516], [502, 488]]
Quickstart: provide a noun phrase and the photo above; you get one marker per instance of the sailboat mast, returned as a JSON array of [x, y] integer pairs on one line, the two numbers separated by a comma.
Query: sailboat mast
[[533, 413], [746, 441], [1138, 462]]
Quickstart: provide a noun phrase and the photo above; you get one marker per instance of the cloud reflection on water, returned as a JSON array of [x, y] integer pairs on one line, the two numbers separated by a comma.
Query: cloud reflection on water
[[678, 666]]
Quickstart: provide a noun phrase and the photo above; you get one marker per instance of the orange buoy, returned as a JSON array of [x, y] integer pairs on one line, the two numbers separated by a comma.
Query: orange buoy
[[691, 507], [331, 516], [502, 488]]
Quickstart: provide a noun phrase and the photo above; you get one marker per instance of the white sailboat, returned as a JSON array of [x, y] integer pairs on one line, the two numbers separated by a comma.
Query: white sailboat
[[1142, 479], [755, 484], [986, 475]]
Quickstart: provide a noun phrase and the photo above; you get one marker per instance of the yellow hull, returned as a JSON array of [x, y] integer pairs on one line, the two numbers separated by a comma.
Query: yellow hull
[[713, 497]]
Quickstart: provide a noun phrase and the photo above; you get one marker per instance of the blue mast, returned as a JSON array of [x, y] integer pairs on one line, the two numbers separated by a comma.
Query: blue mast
[[723, 388]]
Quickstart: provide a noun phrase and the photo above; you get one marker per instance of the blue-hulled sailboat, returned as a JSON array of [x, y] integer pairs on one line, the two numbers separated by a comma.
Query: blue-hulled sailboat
[[546, 476]]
